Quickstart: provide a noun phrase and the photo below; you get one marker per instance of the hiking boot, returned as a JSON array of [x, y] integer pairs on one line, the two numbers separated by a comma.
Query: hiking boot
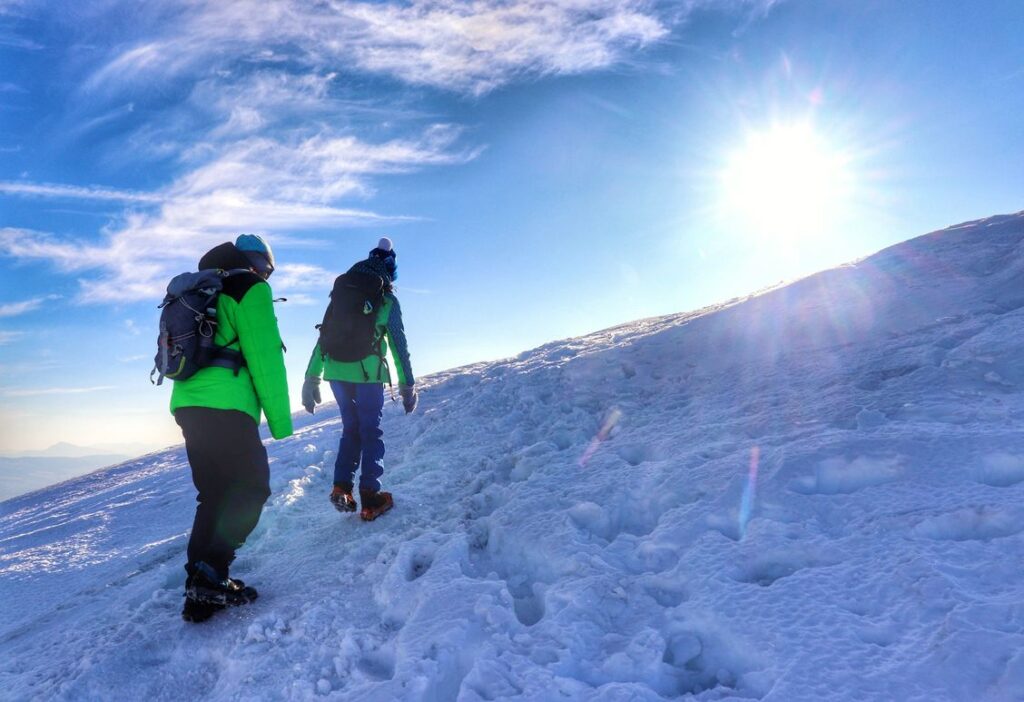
[[341, 498], [196, 611], [203, 586], [375, 503]]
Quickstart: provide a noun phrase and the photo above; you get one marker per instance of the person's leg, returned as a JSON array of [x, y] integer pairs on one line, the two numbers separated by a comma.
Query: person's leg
[[370, 407], [349, 446], [206, 479], [247, 491], [231, 472]]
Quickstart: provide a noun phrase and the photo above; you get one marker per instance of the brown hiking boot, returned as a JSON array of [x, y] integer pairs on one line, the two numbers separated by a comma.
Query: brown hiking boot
[[375, 503], [341, 498]]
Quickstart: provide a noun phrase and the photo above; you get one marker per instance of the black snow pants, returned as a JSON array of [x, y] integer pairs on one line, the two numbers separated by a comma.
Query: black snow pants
[[231, 473]]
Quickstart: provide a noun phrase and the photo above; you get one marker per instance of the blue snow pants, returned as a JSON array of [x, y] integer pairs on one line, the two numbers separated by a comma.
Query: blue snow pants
[[361, 406]]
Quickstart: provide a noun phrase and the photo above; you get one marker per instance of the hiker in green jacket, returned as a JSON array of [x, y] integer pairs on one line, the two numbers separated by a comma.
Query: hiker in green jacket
[[218, 410], [358, 385]]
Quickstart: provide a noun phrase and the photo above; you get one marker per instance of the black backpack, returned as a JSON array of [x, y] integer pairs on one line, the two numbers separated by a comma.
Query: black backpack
[[188, 326], [349, 331]]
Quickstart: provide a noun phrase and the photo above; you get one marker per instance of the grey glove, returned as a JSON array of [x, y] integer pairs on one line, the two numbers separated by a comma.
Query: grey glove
[[311, 394], [409, 397]]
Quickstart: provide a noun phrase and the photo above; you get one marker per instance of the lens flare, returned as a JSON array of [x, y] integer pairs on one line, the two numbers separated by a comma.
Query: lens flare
[[610, 420], [749, 490]]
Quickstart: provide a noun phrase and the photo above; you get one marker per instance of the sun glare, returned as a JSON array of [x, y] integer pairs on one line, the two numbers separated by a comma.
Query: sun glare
[[786, 183]]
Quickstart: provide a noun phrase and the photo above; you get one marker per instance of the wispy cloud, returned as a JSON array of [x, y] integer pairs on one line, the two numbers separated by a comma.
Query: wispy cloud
[[74, 192], [469, 46], [102, 120], [13, 309], [15, 42], [417, 291], [6, 337], [302, 276], [32, 392], [8, 7], [263, 142], [305, 300], [320, 168], [134, 359], [255, 184]]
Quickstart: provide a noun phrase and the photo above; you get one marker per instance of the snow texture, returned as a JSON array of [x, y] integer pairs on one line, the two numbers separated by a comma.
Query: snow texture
[[813, 493]]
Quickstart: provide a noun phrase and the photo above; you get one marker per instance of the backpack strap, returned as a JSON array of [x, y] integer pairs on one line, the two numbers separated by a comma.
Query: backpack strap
[[162, 341], [383, 365], [233, 271], [229, 358]]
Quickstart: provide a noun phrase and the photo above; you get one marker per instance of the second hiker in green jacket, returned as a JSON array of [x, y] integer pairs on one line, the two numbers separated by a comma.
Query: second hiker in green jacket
[[218, 410], [358, 386]]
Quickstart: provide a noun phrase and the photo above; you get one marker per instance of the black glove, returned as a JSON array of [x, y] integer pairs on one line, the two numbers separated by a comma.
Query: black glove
[[311, 394], [409, 397]]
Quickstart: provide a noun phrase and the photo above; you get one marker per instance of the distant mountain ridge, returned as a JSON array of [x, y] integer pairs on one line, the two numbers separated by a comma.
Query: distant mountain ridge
[[25, 471], [22, 474], [64, 449]]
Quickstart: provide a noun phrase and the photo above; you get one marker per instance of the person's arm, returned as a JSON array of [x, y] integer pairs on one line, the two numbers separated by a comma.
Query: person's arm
[[311, 385], [261, 345], [399, 344], [315, 368]]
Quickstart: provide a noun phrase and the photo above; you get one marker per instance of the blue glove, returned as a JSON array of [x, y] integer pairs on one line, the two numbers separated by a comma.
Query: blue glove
[[409, 397], [311, 394]]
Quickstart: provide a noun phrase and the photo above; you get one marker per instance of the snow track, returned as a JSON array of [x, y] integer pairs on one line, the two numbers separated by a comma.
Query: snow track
[[811, 494]]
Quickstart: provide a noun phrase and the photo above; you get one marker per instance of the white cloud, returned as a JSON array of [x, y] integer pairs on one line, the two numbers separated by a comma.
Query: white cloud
[[32, 392], [304, 300], [13, 309], [7, 337], [263, 141], [13, 41], [320, 168], [469, 46], [68, 256], [74, 192], [302, 276], [256, 184], [477, 46]]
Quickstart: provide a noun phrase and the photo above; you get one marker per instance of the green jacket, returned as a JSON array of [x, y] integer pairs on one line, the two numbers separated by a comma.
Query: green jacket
[[245, 317], [369, 370]]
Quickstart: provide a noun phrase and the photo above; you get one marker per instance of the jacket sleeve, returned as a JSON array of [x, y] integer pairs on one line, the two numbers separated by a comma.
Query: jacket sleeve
[[316, 363], [261, 345], [399, 344]]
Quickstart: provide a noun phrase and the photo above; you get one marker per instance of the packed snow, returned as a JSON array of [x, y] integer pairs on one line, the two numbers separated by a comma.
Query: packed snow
[[813, 493]]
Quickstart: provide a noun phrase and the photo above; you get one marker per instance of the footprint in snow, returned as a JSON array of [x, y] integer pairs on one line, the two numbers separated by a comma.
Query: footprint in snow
[[971, 524], [839, 476], [1000, 469], [768, 569]]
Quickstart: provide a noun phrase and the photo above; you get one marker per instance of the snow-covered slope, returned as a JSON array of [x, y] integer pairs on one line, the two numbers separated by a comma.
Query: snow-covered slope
[[816, 493]]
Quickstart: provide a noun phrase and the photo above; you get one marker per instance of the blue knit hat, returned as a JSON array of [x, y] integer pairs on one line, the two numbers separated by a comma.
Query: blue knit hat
[[258, 251], [385, 251]]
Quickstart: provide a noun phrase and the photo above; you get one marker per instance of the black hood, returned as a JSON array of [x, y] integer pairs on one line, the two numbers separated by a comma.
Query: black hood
[[225, 256]]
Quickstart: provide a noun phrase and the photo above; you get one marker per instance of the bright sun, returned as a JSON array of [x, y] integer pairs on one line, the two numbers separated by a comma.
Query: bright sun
[[786, 183]]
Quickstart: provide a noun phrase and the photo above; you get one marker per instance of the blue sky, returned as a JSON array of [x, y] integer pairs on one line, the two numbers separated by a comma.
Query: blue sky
[[544, 168]]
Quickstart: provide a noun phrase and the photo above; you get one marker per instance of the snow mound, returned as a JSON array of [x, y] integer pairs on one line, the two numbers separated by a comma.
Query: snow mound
[[813, 493]]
